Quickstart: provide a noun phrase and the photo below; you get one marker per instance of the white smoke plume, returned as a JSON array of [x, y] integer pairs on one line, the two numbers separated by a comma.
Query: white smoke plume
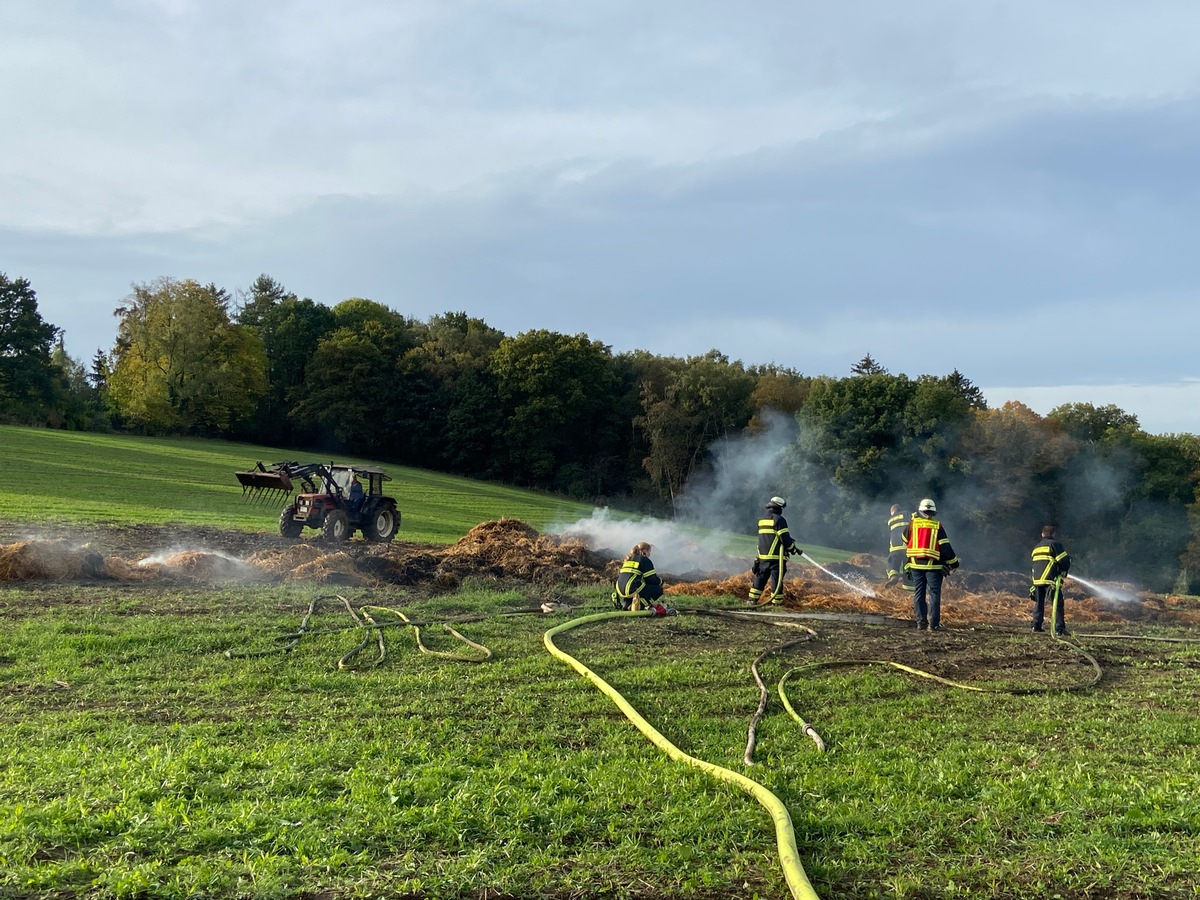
[[716, 512], [677, 549]]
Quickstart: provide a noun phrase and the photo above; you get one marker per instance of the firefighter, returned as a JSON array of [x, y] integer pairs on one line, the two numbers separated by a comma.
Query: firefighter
[[775, 544], [638, 584], [896, 556], [930, 557], [1051, 563]]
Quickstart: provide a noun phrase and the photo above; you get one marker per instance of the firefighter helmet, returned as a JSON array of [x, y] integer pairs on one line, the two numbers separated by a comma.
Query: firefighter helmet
[[776, 501], [927, 506]]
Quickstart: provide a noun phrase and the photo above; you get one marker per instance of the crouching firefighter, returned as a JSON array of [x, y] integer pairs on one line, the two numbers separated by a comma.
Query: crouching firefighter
[[638, 585], [775, 544]]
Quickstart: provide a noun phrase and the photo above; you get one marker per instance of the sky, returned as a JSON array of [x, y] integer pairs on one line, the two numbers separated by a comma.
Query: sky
[[1007, 189]]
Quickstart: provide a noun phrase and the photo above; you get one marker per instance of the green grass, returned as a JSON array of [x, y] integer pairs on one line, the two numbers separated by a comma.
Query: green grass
[[62, 476], [139, 761], [142, 762], [85, 478]]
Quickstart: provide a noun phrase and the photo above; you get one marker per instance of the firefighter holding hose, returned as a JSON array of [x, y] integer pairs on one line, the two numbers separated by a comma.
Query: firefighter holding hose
[[638, 584], [930, 557], [1051, 563], [775, 544]]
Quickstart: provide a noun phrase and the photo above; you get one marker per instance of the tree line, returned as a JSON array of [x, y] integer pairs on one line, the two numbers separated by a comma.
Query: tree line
[[664, 435]]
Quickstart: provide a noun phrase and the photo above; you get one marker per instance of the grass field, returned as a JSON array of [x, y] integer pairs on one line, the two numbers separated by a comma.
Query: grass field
[[141, 760], [81, 477]]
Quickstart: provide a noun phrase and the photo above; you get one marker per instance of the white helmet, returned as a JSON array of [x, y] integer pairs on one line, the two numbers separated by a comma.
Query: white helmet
[[927, 506], [777, 501]]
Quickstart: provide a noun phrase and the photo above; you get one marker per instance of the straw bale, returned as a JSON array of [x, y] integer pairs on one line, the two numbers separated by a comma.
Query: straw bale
[[202, 566], [337, 568], [48, 561], [123, 570], [285, 560]]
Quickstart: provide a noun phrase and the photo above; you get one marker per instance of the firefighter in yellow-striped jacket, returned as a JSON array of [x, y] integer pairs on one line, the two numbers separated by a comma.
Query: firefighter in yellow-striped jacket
[[638, 584], [896, 556], [775, 544], [1051, 563], [930, 556]]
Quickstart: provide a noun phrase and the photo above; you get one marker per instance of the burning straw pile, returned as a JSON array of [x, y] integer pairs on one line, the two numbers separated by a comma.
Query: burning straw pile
[[509, 550]]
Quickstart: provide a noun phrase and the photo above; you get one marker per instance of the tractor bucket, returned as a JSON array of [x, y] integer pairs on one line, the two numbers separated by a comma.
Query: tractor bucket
[[260, 485]]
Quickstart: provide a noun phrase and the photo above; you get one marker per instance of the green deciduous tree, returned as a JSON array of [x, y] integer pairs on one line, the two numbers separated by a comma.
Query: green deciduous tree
[[290, 331], [857, 426], [180, 365], [28, 376], [453, 419], [1087, 422], [346, 391], [556, 391]]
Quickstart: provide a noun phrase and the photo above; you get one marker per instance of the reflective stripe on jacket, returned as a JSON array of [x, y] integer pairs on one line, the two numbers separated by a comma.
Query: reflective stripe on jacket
[[896, 532], [774, 541], [926, 544], [635, 574], [1050, 561]]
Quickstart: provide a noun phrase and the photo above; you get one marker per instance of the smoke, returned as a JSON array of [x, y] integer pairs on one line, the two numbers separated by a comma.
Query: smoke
[[716, 511], [677, 549], [994, 488]]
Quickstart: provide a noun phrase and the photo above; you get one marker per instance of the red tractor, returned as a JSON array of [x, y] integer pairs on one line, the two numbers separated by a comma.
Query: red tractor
[[333, 499]]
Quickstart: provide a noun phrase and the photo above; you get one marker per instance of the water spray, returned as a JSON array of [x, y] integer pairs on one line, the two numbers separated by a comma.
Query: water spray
[[1104, 593], [866, 592]]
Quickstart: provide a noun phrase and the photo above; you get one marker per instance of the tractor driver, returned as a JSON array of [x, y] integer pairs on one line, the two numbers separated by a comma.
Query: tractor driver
[[356, 493]]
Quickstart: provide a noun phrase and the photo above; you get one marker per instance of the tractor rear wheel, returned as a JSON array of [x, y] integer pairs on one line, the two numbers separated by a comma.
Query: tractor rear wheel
[[382, 525], [289, 526], [336, 526]]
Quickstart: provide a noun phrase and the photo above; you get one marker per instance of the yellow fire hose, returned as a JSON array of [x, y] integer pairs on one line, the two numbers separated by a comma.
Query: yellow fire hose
[[785, 834]]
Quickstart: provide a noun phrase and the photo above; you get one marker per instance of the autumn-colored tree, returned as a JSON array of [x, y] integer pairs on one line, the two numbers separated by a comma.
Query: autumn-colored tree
[[777, 389], [1015, 486], [180, 365], [702, 399]]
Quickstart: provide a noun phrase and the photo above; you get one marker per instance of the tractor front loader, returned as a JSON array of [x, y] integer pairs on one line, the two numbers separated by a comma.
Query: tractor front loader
[[332, 500]]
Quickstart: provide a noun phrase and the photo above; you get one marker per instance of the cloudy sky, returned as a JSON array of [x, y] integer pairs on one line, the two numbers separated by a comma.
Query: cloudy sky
[[1006, 188]]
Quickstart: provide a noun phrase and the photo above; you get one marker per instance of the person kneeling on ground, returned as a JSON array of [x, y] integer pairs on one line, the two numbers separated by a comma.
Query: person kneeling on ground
[[638, 585]]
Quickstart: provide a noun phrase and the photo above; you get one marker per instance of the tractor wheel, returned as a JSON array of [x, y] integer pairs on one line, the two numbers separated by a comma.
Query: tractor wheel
[[336, 526], [289, 527], [382, 525]]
